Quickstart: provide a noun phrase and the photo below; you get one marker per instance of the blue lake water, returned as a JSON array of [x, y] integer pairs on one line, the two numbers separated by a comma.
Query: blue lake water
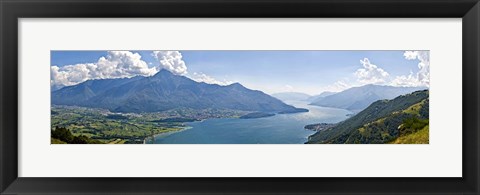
[[278, 129]]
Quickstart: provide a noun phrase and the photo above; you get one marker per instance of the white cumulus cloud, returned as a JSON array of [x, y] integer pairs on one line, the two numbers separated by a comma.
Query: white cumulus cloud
[[117, 64], [370, 73], [422, 76], [171, 61], [201, 77], [406, 81]]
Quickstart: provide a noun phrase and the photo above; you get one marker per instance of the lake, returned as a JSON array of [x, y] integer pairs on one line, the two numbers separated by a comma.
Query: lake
[[278, 129]]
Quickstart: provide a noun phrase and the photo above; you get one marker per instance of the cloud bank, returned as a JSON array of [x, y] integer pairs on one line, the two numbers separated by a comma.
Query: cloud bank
[[117, 64], [373, 74], [125, 64], [422, 76]]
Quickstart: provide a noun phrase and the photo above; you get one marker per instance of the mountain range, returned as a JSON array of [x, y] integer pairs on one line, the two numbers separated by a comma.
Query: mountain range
[[359, 98], [165, 91], [318, 97]]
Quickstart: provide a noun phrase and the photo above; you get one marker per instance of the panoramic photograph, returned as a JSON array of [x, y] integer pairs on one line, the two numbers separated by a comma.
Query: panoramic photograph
[[240, 97]]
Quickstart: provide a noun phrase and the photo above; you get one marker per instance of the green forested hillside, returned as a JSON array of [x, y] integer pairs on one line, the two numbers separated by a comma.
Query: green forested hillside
[[401, 120], [61, 135]]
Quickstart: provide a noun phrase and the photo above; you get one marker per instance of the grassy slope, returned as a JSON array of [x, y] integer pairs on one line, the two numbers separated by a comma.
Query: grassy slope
[[56, 141], [377, 110], [385, 129], [419, 137]]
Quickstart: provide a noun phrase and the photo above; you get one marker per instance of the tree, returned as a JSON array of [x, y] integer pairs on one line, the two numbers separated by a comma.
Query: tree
[[63, 134]]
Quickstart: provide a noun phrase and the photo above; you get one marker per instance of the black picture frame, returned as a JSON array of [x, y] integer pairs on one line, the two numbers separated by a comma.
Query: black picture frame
[[12, 10]]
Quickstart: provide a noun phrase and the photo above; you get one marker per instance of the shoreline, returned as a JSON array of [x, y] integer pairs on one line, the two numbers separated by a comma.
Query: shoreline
[[186, 127], [163, 133]]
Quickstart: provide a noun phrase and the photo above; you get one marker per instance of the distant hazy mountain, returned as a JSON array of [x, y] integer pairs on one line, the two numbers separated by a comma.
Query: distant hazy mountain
[[316, 98], [286, 96], [358, 98], [165, 91], [400, 120]]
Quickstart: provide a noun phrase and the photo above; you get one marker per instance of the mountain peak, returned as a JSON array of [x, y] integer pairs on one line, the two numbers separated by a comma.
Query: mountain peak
[[163, 72], [371, 86], [236, 85]]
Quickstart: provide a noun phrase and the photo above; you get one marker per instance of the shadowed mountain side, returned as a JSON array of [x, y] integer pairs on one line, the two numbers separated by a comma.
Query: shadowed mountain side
[[165, 91]]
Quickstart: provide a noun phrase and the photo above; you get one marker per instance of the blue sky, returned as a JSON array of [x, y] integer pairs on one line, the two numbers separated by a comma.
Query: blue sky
[[310, 72]]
